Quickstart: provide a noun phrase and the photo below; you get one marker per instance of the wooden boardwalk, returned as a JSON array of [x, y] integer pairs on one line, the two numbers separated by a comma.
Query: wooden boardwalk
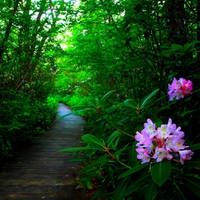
[[40, 171]]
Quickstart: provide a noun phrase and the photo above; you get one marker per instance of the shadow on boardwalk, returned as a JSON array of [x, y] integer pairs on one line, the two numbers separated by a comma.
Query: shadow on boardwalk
[[39, 171]]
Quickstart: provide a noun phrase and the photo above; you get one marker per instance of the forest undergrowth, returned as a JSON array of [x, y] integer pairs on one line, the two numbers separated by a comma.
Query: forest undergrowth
[[131, 68]]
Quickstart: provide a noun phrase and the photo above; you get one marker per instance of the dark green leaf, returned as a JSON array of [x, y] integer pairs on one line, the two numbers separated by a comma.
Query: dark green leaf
[[137, 184], [111, 176], [94, 102], [192, 184], [113, 136], [131, 103], [188, 112], [91, 139], [74, 149], [106, 96], [133, 170], [195, 147], [133, 155], [161, 171], [194, 162], [119, 151], [147, 98], [151, 191], [196, 76], [177, 47], [120, 189]]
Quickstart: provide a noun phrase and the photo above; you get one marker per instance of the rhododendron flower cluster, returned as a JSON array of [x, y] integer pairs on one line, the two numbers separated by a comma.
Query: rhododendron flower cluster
[[162, 142], [179, 88]]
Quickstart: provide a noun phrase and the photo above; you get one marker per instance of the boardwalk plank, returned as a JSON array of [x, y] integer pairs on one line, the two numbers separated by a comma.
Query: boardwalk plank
[[39, 171]]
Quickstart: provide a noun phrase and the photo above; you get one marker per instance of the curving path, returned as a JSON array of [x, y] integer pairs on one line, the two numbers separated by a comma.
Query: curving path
[[39, 171]]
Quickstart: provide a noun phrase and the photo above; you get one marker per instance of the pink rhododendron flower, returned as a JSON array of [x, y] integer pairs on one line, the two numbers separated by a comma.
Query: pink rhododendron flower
[[185, 155], [162, 142], [179, 88], [161, 153], [143, 138], [143, 155], [150, 128]]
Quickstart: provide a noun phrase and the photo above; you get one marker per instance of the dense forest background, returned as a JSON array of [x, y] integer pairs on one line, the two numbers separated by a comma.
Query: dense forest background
[[113, 60]]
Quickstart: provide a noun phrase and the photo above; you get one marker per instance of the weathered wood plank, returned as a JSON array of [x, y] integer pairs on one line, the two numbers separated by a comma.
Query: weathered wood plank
[[39, 171]]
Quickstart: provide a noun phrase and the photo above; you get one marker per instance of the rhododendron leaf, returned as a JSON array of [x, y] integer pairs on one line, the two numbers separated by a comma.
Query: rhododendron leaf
[[196, 76], [113, 136], [172, 75], [188, 112], [111, 176], [89, 184], [94, 102], [147, 98], [196, 91], [133, 161], [91, 139], [195, 162], [161, 171], [195, 147], [131, 103], [192, 184], [133, 170], [176, 47], [151, 191], [187, 46], [119, 152], [108, 94], [120, 189], [137, 184], [74, 149]]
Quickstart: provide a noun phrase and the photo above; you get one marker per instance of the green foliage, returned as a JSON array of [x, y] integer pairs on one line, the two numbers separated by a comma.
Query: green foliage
[[23, 119], [151, 191], [110, 151], [28, 49], [160, 172], [112, 66], [192, 184]]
